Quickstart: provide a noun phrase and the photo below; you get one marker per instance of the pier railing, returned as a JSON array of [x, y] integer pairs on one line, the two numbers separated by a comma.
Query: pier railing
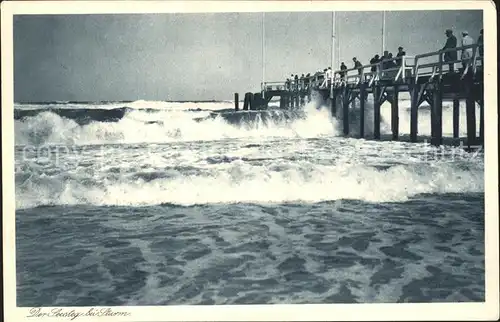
[[394, 69]]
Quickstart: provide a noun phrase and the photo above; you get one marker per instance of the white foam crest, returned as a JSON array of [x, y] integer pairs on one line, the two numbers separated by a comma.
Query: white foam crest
[[163, 126], [139, 104], [242, 182]]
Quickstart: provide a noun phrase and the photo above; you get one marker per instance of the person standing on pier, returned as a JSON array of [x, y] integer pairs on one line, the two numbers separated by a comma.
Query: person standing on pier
[[480, 43], [301, 83], [327, 74], [343, 67], [374, 60], [391, 63], [306, 81], [451, 42], [292, 83], [296, 82], [466, 53], [358, 65], [400, 54]]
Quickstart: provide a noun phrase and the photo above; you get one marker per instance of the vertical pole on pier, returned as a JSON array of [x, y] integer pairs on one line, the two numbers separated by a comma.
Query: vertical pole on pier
[[414, 112], [236, 102], [437, 115], [345, 112], [456, 118], [395, 114], [297, 99], [362, 98], [292, 100], [376, 112]]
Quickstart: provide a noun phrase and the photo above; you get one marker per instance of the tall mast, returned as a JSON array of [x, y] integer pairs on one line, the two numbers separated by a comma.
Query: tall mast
[[263, 49], [333, 41], [337, 63], [383, 32]]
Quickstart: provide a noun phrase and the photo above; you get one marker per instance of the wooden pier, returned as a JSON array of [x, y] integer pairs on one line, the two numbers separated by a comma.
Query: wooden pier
[[426, 77]]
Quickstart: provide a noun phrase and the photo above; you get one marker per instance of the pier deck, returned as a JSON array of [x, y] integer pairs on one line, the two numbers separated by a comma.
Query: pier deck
[[426, 77]]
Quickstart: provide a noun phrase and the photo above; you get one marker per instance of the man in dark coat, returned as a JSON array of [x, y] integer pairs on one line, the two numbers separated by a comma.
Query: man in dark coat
[[342, 73], [451, 42], [480, 43], [400, 54], [374, 60]]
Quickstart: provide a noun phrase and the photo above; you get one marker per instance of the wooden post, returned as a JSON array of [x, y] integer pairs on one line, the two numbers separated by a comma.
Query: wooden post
[[345, 113], [470, 110], [297, 100], [395, 113], [481, 123], [481, 113], [362, 98], [333, 103], [282, 101], [291, 98], [456, 118], [437, 115], [376, 112], [414, 112], [246, 102], [252, 101], [236, 102]]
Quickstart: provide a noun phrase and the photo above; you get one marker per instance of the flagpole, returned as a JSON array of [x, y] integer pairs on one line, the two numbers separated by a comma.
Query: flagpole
[[383, 32], [338, 45], [263, 50], [333, 41]]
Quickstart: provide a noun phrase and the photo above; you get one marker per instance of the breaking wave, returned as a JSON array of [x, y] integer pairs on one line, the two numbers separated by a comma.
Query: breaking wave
[[125, 125], [239, 181]]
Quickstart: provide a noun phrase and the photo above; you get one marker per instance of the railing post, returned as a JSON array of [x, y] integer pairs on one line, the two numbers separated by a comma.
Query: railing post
[[415, 70], [236, 102], [403, 66], [440, 66]]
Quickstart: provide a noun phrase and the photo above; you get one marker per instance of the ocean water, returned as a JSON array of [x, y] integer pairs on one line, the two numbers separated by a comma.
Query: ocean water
[[158, 203]]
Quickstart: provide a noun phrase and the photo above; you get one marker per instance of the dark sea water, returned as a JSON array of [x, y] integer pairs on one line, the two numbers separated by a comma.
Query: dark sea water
[[135, 212]]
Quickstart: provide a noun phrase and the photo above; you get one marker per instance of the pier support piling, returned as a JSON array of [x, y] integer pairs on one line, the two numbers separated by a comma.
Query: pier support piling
[[236, 102], [470, 108], [456, 118], [395, 114], [470, 111], [437, 115], [362, 99], [333, 103], [247, 101], [376, 112], [345, 111], [481, 114], [414, 112]]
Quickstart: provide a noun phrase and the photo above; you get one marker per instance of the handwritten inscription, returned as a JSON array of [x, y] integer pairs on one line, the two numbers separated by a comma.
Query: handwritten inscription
[[72, 314]]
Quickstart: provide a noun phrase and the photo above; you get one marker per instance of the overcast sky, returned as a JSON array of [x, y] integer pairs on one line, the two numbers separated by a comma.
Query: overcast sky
[[203, 56]]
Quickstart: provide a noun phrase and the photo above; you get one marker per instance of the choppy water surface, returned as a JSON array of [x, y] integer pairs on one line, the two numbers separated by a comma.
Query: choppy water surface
[[133, 212]]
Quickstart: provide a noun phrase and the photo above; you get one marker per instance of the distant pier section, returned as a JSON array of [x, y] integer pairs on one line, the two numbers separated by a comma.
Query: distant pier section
[[426, 77]]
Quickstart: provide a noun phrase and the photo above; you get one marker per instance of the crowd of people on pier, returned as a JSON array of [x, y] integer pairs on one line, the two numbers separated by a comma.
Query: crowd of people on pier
[[388, 62]]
